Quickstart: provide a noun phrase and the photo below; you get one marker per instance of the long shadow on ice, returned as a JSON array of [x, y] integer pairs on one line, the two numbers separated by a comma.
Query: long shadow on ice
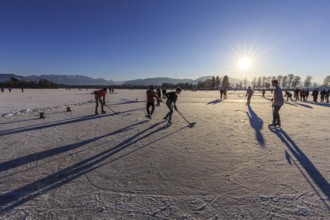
[[304, 105], [288, 103], [319, 104], [18, 121], [214, 102], [257, 124], [314, 175], [51, 124], [52, 152], [19, 196], [128, 101], [59, 122]]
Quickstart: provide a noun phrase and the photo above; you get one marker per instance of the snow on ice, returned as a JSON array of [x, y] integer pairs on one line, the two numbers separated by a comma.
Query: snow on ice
[[230, 165]]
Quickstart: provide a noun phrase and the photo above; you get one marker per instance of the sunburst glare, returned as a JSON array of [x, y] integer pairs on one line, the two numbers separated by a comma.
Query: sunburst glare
[[244, 63]]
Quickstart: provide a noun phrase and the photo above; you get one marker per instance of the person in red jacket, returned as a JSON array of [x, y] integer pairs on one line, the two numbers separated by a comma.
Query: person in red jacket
[[100, 98], [151, 96]]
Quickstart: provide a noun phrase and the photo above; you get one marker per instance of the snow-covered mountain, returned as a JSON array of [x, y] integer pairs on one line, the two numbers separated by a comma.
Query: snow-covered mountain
[[61, 79], [85, 80]]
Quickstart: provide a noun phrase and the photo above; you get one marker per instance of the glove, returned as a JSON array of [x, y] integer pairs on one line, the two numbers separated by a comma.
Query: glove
[[176, 109]]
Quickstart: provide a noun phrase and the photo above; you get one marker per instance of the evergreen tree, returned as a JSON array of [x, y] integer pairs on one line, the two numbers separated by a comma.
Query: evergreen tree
[[225, 82], [213, 82], [217, 81]]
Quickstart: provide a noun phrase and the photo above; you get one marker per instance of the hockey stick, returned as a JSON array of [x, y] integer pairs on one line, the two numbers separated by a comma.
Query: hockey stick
[[190, 123], [114, 112]]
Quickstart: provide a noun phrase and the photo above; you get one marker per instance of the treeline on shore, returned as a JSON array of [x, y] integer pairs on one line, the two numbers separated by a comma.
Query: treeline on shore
[[15, 83], [289, 81]]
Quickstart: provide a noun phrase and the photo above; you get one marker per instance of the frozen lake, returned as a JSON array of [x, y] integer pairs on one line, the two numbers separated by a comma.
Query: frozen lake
[[230, 165]]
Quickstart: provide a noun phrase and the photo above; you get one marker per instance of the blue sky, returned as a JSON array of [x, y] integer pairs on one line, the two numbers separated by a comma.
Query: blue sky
[[129, 39]]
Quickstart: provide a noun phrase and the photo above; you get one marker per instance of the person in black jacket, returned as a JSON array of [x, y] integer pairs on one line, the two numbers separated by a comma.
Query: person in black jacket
[[159, 96], [323, 93], [288, 95], [327, 96], [315, 94], [171, 103]]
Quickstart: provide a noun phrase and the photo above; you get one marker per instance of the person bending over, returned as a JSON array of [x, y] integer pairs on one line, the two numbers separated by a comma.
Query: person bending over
[[100, 98], [171, 103]]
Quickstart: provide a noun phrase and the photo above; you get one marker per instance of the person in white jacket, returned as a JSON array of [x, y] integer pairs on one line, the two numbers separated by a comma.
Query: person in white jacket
[[278, 101]]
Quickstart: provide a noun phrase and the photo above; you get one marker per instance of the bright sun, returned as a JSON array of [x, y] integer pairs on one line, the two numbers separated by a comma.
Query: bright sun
[[244, 63]]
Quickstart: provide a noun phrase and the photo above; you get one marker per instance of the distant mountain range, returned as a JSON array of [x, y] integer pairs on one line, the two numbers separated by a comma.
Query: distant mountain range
[[85, 80], [62, 79]]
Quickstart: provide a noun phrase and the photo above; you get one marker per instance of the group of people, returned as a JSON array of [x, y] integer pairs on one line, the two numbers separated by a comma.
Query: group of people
[[170, 102], [302, 95], [152, 95], [277, 100], [9, 89], [324, 95]]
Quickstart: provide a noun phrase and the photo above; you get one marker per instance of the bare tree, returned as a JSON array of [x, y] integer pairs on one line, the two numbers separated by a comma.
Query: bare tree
[[259, 82], [296, 81], [290, 78], [263, 81], [326, 81], [245, 82], [279, 79], [308, 81], [268, 79], [254, 82], [284, 81]]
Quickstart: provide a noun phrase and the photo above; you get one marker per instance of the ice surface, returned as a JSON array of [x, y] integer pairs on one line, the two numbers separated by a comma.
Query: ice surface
[[230, 165]]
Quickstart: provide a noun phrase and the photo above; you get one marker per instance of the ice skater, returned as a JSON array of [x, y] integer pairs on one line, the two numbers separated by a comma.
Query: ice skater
[[288, 95], [100, 98], [151, 96], [171, 103], [315, 94], [278, 101], [164, 93], [221, 93], [249, 93], [159, 96]]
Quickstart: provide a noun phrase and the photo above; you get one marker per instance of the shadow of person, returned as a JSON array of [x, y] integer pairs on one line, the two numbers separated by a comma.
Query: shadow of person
[[288, 103], [319, 104], [299, 156], [304, 105], [214, 102], [20, 161], [11, 199], [257, 124]]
